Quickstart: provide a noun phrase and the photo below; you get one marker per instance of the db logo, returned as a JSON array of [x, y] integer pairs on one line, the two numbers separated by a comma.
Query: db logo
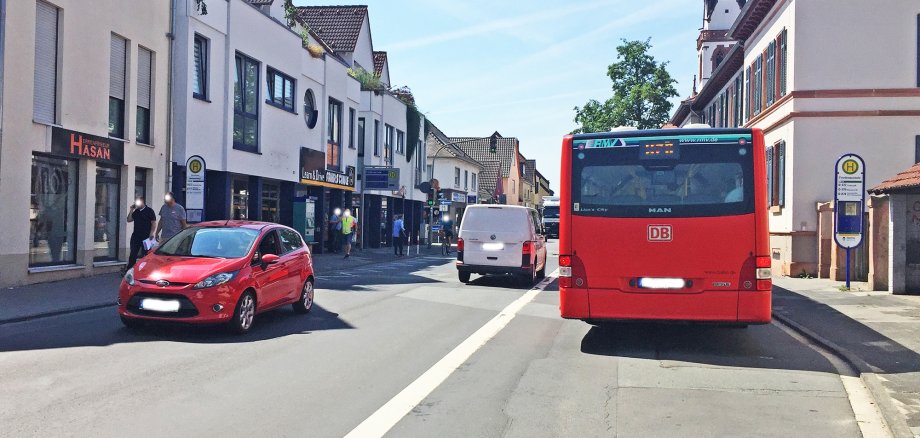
[[659, 233]]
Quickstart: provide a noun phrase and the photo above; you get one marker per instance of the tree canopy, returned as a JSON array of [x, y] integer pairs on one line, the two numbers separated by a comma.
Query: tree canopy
[[641, 89]]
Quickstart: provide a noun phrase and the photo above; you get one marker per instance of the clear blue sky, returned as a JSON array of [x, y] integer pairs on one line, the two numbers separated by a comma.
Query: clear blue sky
[[520, 66]]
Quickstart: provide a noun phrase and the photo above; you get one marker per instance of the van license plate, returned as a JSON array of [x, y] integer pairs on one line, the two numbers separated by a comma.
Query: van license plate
[[493, 246]]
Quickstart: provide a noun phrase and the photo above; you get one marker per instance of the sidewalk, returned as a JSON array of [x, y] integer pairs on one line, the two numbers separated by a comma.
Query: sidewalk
[[48, 299], [876, 332]]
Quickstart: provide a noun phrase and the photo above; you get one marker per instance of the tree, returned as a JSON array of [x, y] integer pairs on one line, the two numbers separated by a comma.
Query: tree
[[641, 89]]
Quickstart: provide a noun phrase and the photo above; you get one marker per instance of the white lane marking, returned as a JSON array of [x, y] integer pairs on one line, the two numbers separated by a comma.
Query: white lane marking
[[865, 409], [393, 411]]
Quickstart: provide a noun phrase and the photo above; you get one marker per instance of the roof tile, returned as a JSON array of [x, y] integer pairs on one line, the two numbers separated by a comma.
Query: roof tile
[[478, 148], [908, 180], [380, 59], [338, 26]]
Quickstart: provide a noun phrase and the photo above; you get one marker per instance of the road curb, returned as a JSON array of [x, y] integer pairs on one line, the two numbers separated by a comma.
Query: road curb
[[896, 422], [66, 311]]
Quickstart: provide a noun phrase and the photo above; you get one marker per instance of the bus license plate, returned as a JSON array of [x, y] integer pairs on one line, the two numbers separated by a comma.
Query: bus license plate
[[661, 283]]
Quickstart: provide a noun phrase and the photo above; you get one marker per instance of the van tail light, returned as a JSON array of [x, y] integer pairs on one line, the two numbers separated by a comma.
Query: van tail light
[[459, 244], [527, 248], [565, 271], [526, 251], [764, 273], [459, 251]]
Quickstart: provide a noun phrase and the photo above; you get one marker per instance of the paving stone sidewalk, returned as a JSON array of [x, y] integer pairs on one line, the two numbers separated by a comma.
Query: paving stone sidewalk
[[880, 331]]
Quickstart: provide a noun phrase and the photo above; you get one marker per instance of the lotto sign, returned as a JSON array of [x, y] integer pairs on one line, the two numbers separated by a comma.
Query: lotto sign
[[849, 201], [659, 233]]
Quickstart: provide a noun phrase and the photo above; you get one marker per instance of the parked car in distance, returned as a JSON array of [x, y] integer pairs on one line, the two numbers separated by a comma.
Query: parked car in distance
[[501, 239], [224, 272]]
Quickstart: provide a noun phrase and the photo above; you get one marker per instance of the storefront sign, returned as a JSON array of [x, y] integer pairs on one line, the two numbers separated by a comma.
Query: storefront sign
[[458, 197], [67, 143], [471, 199], [381, 178], [313, 171], [194, 188]]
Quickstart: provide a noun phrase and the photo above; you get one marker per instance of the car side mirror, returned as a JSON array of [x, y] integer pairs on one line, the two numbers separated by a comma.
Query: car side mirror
[[269, 259]]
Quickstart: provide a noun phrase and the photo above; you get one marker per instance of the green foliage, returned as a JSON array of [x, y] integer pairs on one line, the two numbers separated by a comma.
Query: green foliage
[[290, 14], [641, 89], [404, 94], [368, 80], [413, 125]]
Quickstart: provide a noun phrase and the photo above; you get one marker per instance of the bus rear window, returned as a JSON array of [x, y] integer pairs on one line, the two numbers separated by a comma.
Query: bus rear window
[[706, 180]]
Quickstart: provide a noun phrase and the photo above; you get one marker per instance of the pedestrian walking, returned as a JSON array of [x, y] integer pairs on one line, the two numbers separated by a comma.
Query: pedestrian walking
[[172, 218], [144, 223], [349, 225], [335, 231], [399, 230]]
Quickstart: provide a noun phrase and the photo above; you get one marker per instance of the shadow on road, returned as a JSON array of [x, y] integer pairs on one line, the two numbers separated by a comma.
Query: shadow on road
[[503, 281], [765, 346], [101, 327]]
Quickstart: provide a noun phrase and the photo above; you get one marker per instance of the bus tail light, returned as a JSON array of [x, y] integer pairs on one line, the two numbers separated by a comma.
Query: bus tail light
[[565, 271], [764, 273]]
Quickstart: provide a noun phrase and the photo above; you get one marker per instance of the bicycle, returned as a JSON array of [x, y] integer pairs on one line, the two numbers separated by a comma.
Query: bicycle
[[445, 243]]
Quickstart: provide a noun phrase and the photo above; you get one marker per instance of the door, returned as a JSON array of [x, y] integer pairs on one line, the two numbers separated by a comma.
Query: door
[[269, 279], [294, 262]]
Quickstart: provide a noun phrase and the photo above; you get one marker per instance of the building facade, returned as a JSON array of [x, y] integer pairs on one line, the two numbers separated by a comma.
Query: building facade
[[787, 67], [457, 174], [84, 119]]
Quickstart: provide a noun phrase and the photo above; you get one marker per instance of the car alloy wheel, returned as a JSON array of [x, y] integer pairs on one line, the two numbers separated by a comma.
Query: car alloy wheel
[[245, 313], [306, 298]]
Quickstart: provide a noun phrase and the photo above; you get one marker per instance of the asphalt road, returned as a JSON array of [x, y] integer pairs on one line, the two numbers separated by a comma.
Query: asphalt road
[[374, 331]]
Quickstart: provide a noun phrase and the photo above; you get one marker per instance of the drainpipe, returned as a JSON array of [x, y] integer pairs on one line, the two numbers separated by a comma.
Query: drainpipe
[[169, 92]]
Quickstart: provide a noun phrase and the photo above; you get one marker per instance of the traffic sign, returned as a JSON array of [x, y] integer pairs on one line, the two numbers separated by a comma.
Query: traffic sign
[[849, 202], [850, 199], [445, 202], [381, 178]]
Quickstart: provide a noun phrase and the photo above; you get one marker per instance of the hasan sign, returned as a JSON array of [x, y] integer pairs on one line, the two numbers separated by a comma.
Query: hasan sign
[[67, 143]]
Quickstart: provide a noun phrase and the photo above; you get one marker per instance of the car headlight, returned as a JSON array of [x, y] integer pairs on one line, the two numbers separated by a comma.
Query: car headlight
[[215, 280], [129, 277]]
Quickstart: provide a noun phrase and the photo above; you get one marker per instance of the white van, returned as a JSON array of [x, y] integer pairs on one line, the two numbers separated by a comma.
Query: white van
[[501, 239]]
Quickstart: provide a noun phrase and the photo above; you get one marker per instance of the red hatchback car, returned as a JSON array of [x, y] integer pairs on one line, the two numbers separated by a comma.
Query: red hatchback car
[[219, 272]]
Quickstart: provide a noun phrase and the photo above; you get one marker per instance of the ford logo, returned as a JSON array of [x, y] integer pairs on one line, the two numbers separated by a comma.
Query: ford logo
[[162, 283], [492, 237]]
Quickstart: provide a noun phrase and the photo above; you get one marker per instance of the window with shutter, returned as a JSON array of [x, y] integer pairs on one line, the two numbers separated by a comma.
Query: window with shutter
[[200, 75], [770, 86], [44, 94], [781, 173], [770, 175], [144, 92], [117, 73], [747, 94], [782, 67]]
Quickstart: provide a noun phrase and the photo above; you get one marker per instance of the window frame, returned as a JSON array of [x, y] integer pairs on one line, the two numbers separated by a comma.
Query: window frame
[[456, 176], [352, 123], [147, 137], [388, 139], [202, 74], [118, 129], [71, 204], [55, 69], [334, 135], [400, 142], [243, 88], [118, 215], [271, 76], [376, 138]]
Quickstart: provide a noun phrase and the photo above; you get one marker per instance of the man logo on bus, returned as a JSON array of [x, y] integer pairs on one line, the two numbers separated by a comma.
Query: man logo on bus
[[850, 167], [659, 233]]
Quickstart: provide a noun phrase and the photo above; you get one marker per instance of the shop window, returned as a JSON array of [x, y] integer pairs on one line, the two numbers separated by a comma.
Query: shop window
[[106, 217], [271, 195], [117, 80], [200, 76], [246, 104], [280, 90], [239, 208], [144, 91], [52, 211], [334, 136], [44, 95]]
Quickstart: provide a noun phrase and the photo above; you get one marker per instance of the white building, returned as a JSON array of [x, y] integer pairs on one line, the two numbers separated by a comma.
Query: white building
[[456, 172], [85, 101], [389, 133], [805, 73]]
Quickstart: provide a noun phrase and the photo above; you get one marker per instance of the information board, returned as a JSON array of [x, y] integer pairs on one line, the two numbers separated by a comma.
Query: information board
[[850, 200]]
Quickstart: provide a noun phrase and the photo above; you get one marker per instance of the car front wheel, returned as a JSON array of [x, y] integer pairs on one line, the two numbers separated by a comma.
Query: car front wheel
[[244, 315], [464, 277], [306, 298]]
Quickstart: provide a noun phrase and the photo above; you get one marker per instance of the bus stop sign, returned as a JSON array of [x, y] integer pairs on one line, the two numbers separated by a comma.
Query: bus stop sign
[[849, 201]]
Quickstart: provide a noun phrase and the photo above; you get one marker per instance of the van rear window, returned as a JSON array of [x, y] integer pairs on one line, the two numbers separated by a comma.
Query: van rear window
[[491, 218]]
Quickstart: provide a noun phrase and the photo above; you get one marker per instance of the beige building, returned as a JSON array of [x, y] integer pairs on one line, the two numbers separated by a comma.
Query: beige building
[[805, 72], [84, 128]]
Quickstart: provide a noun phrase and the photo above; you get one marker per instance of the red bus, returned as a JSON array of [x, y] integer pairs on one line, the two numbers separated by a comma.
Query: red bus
[[666, 225]]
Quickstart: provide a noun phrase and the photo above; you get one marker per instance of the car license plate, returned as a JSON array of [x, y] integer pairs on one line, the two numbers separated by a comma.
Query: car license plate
[[160, 305], [493, 246]]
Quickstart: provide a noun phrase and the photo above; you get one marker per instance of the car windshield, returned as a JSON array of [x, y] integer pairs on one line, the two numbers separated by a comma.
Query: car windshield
[[228, 243], [551, 212]]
